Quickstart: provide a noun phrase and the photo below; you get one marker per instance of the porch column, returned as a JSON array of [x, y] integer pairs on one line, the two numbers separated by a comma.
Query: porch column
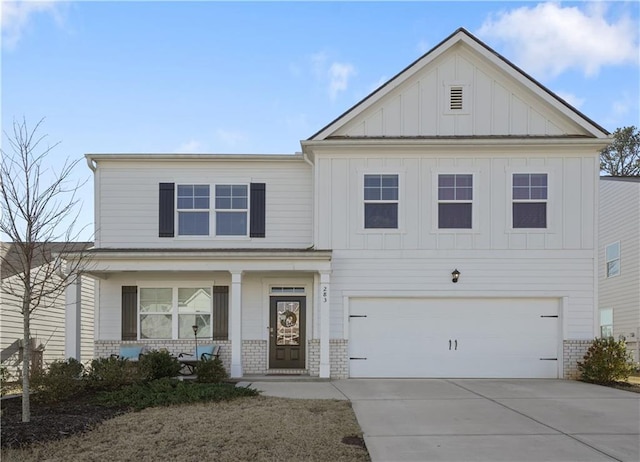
[[236, 324], [72, 322], [325, 364]]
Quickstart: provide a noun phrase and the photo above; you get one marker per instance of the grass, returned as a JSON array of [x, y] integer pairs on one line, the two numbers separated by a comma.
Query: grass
[[247, 429]]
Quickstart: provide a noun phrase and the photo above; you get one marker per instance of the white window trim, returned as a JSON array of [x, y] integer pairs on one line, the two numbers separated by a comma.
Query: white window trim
[[174, 301], [475, 217], [214, 211], [178, 210], [606, 261], [400, 201], [509, 203]]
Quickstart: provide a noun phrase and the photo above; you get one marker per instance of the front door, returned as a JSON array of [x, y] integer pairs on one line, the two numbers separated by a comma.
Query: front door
[[287, 333]]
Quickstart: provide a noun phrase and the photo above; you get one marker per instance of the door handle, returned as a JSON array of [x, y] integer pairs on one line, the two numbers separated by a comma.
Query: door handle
[[449, 344], [456, 344]]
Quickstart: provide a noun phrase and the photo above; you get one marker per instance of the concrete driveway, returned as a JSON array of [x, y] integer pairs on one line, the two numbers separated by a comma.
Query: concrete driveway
[[494, 420]]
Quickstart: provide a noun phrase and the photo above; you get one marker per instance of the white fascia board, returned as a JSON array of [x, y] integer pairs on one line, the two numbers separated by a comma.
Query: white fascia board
[[134, 157]]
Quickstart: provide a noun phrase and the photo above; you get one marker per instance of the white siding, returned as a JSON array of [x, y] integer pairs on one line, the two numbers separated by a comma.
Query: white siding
[[128, 201], [620, 222], [498, 104]]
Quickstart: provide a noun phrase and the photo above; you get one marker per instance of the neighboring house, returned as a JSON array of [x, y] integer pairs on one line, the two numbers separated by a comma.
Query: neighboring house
[[49, 323], [619, 257], [338, 261]]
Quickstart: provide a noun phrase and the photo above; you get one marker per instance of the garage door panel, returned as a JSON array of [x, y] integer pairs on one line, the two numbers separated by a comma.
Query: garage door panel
[[454, 338]]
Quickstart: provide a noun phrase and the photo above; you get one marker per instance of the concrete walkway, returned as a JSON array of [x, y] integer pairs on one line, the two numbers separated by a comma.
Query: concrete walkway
[[484, 420]]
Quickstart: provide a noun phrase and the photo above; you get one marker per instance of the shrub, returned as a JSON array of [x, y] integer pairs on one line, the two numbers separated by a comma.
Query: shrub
[[606, 361], [167, 392], [4, 378], [60, 381], [211, 371], [112, 373], [159, 364]]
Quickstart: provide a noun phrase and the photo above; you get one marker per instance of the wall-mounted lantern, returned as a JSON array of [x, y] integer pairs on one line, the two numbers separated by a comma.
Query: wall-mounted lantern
[[455, 274]]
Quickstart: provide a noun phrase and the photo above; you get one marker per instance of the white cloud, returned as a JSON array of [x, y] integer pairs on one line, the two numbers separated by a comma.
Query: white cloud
[[549, 39], [190, 147], [231, 138], [339, 75], [15, 17], [572, 99]]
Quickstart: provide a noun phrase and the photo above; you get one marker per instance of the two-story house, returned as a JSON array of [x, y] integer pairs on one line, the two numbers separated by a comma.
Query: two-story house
[[445, 226], [619, 257]]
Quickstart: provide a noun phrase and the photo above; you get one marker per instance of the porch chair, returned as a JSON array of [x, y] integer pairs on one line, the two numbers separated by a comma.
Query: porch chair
[[130, 352], [202, 353]]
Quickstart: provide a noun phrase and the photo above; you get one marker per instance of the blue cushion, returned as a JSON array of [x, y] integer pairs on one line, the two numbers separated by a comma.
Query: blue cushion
[[206, 350], [130, 352]]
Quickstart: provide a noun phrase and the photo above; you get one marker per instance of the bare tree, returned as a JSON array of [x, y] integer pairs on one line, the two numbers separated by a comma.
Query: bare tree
[[622, 156], [40, 207]]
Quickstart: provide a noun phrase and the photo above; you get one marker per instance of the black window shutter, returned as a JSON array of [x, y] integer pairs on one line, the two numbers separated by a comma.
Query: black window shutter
[[166, 212], [220, 312], [258, 214], [129, 313]]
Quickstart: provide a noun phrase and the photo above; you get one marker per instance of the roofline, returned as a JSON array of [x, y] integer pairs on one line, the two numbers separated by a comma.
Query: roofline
[[485, 46], [207, 253], [173, 157], [626, 179]]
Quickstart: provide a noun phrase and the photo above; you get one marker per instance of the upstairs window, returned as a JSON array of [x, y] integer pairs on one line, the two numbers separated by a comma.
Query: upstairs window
[[612, 256], [455, 201], [530, 200], [381, 201], [232, 206], [193, 210]]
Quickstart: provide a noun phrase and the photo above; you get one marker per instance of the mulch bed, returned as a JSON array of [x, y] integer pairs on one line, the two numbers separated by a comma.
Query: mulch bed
[[50, 422]]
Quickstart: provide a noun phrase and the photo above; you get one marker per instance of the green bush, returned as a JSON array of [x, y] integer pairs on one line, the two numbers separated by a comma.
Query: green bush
[[167, 392], [156, 365], [606, 361], [211, 371], [62, 380], [112, 373], [4, 378]]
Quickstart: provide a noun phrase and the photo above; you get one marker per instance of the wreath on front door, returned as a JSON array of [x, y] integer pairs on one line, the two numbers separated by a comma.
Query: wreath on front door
[[288, 319]]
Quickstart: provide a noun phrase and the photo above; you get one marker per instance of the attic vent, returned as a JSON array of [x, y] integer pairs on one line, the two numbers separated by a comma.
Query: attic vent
[[455, 99]]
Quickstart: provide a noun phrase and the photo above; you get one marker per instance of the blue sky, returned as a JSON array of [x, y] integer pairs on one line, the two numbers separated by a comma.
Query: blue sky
[[246, 77]]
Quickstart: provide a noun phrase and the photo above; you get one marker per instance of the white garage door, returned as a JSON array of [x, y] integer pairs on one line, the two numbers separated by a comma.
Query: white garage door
[[488, 338]]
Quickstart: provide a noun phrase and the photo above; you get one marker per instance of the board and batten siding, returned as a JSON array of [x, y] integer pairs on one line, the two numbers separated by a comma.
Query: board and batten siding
[[495, 103], [127, 201], [571, 198], [620, 222]]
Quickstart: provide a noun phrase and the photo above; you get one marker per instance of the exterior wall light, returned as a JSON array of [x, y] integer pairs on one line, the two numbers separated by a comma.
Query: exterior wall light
[[455, 274]]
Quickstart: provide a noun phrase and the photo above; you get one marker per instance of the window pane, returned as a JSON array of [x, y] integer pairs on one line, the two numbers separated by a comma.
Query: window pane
[[606, 316], [446, 181], [454, 216], [464, 180], [381, 216], [194, 299], [613, 251], [156, 300], [155, 326], [520, 193], [193, 223], [389, 181], [186, 322], [530, 215], [185, 203], [539, 193], [521, 179], [446, 194], [464, 194], [239, 190], [372, 181], [389, 194], [223, 190], [239, 203], [185, 190], [371, 194], [201, 203], [201, 190], [223, 202], [539, 179], [231, 223], [613, 268]]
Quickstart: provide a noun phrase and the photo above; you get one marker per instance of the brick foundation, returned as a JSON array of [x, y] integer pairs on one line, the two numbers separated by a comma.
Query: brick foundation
[[574, 351]]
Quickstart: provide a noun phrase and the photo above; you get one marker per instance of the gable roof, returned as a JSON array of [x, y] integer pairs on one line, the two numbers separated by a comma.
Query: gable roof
[[463, 36]]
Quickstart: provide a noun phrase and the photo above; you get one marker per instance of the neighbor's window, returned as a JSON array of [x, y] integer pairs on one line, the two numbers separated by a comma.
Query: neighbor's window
[[170, 312], [193, 210], [530, 200], [612, 256], [232, 205], [455, 201], [606, 322], [381, 201]]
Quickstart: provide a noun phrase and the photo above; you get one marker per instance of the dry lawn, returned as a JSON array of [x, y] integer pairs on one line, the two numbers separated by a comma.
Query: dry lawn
[[249, 429]]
